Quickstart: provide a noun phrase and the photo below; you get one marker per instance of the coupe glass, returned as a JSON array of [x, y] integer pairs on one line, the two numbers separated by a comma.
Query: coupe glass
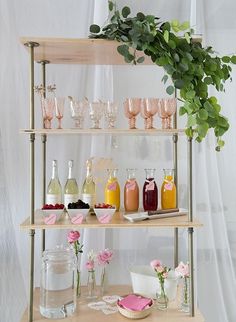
[[59, 109], [110, 112], [166, 108], [47, 106], [95, 113], [149, 108], [78, 109], [132, 108]]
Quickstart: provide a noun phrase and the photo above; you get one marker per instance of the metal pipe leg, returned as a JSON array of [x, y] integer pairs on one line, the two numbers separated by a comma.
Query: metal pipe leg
[[191, 270]]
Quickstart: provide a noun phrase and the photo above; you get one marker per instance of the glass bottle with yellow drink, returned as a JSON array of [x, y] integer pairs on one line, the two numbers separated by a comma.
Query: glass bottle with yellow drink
[[112, 189], [168, 190]]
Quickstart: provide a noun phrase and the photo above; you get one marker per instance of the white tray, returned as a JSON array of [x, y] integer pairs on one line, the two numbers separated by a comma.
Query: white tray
[[139, 216]]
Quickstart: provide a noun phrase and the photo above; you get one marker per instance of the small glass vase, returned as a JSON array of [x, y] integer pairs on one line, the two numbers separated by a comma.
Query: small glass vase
[[104, 281], [91, 285], [185, 296], [162, 299], [78, 284]]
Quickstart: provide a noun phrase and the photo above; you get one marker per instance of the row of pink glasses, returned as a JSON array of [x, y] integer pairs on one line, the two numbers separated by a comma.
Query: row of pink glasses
[[148, 108], [51, 106]]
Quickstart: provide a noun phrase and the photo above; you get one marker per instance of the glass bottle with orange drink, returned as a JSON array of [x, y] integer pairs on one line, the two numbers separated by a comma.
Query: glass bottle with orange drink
[[131, 192], [112, 189], [168, 190]]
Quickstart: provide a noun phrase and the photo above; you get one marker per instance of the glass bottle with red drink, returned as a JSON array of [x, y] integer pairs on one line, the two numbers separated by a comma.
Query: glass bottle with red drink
[[150, 192]]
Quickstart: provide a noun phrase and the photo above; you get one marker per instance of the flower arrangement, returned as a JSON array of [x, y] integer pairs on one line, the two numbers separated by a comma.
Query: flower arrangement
[[73, 239], [162, 274], [104, 257], [183, 271], [90, 264]]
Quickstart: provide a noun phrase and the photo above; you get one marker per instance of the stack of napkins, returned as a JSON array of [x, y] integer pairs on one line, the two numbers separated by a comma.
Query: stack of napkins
[[135, 302]]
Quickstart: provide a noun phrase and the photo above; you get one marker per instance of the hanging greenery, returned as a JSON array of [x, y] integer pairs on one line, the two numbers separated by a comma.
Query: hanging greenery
[[192, 68]]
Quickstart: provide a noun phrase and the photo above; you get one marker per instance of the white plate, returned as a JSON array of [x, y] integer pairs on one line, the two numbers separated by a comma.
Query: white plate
[[139, 216]]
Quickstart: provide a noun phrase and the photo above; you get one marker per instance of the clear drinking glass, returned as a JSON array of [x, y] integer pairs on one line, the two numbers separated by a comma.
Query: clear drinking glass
[[78, 109], [57, 287], [148, 110], [59, 109], [132, 107], [47, 106], [110, 112], [95, 113]]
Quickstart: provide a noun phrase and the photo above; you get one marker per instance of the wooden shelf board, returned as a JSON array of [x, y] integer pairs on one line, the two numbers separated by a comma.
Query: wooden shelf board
[[81, 51], [118, 221], [133, 132], [84, 314]]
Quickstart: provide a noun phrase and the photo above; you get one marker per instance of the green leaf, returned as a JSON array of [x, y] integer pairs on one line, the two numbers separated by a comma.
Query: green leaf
[[123, 49], [208, 80], [179, 83], [189, 132], [140, 16], [172, 44], [110, 5], [164, 78], [166, 35], [191, 120], [221, 143], [212, 100], [182, 110], [170, 90], [176, 57], [190, 94], [140, 60], [202, 129], [174, 23], [184, 26], [233, 59], [162, 61], [125, 12], [223, 122], [202, 114], [95, 29], [226, 59], [187, 37]]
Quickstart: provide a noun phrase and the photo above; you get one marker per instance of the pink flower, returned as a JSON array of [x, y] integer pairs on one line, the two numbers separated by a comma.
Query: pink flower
[[160, 269], [165, 274], [155, 263], [104, 257], [182, 269], [90, 265], [73, 236]]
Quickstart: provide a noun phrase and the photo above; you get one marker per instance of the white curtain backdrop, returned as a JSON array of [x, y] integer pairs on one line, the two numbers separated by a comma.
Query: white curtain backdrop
[[214, 173]]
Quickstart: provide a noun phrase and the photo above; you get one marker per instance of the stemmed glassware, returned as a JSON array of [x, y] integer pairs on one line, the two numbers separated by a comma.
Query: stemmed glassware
[[48, 106], [132, 108], [149, 108], [59, 109], [96, 113], [110, 112], [166, 108], [78, 109]]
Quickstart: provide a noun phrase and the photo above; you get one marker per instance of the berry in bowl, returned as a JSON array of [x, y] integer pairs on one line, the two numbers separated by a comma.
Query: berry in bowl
[[77, 211], [52, 213], [104, 212]]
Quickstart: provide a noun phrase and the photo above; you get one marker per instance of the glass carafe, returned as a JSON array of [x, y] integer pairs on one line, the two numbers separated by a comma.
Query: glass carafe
[[112, 189], [131, 192], [168, 190], [150, 192], [57, 288]]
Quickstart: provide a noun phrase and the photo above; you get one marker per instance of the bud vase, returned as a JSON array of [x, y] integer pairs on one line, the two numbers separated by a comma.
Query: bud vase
[[104, 281], [185, 296], [162, 299], [78, 284], [91, 285]]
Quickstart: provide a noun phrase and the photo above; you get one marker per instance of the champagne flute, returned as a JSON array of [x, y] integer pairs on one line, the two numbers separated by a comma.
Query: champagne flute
[[132, 108], [59, 108], [110, 112], [48, 105]]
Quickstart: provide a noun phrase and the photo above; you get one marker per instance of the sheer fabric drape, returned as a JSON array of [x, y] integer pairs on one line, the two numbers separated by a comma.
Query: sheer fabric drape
[[214, 173]]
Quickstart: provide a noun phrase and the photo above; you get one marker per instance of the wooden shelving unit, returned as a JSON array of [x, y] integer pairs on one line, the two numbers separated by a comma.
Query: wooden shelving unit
[[84, 314], [100, 52]]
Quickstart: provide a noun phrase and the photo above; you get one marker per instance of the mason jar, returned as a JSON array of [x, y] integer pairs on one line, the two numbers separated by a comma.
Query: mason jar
[[57, 287]]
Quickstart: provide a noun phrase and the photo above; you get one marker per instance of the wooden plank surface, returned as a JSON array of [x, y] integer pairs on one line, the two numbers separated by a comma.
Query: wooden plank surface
[[85, 314], [80, 51], [118, 221], [129, 132]]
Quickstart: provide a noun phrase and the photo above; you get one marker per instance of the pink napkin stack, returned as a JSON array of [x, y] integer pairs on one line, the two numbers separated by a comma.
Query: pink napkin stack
[[135, 302]]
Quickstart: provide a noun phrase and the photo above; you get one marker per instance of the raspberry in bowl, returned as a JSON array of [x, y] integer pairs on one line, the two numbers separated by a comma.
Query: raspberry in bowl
[[52, 213], [104, 212]]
